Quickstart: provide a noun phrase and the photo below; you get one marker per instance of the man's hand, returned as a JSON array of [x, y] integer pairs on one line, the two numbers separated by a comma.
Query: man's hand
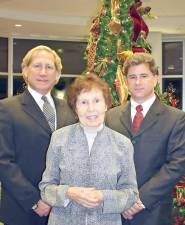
[[43, 209], [137, 207], [87, 197]]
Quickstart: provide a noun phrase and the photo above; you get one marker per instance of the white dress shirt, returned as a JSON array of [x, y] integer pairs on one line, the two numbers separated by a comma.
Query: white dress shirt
[[146, 106]]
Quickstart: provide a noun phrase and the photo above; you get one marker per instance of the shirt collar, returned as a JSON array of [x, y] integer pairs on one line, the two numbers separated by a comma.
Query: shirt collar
[[34, 93], [146, 105], [37, 96]]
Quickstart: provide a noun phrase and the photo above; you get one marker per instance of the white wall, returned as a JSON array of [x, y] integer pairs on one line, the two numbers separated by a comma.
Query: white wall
[[155, 39]]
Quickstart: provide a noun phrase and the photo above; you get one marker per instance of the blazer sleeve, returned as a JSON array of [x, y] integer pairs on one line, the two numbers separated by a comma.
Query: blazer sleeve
[[126, 194], [51, 190], [11, 176], [164, 180]]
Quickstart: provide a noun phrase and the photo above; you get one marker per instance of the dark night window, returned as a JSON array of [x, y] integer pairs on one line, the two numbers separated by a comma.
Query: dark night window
[[172, 58], [71, 53]]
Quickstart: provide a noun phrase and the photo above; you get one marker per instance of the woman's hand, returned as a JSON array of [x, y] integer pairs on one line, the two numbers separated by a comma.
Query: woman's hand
[[137, 207], [87, 197]]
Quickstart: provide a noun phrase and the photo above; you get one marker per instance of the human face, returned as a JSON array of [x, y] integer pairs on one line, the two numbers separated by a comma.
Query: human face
[[91, 107], [41, 73], [141, 82]]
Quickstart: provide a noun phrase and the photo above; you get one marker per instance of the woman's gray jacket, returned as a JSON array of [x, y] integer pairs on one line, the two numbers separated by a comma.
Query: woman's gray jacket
[[109, 167]]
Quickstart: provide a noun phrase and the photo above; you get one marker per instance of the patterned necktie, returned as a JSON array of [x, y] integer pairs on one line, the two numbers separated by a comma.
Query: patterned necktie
[[49, 113], [138, 118]]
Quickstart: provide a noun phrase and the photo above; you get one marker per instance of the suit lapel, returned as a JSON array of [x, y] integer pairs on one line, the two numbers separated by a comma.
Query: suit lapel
[[126, 118], [32, 109]]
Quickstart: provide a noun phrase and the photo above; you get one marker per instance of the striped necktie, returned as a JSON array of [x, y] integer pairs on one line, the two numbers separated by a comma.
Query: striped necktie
[[49, 113]]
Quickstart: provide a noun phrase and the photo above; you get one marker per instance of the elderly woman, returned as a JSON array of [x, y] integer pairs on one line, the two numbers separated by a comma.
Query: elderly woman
[[90, 176]]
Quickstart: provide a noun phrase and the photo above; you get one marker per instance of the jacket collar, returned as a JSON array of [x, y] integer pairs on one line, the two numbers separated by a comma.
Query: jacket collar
[[151, 117], [32, 109]]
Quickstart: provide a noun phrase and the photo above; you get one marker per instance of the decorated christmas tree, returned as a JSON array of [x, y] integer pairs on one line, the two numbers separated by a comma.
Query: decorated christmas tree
[[117, 31]]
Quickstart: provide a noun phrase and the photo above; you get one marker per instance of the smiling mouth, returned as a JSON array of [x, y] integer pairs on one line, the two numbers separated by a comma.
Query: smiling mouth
[[44, 81], [91, 117]]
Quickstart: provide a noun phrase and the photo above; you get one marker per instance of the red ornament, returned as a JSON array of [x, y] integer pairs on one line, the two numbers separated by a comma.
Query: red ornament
[[138, 49], [136, 23], [139, 24]]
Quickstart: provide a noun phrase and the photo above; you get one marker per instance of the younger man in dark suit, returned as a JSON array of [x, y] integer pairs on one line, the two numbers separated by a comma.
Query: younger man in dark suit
[[25, 131], [157, 132]]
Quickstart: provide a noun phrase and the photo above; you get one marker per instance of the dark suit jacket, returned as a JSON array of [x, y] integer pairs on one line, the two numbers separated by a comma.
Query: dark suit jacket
[[24, 139], [159, 154]]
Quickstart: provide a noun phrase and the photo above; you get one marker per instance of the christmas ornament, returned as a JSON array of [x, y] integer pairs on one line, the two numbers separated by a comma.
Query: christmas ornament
[[115, 26], [143, 10], [123, 55], [100, 69], [115, 7], [95, 28], [119, 46], [121, 87], [115, 23], [91, 55], [138, 49], [139, 24]]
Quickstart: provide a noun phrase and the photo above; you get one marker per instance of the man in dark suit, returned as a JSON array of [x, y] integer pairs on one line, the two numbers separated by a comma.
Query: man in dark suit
[[25, 133], [157, 132]]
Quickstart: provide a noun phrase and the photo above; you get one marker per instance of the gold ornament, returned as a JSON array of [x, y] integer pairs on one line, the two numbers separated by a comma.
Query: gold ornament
[[106, 60], [101, 68], [115, 8], [123, 55], [115, 26], [119, 46], [115, 23], [121, 86]]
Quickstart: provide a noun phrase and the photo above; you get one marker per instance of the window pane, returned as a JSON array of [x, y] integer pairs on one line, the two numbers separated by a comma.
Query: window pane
[[172, 60], [3, 86], [173, 89], [18, 85], [3, 54], [71, 53], [60, 88]]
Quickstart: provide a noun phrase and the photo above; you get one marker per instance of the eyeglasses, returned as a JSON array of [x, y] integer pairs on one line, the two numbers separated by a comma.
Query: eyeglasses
[[40, 66], [142, 76]]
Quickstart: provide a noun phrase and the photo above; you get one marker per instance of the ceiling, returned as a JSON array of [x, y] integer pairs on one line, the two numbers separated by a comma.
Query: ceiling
[[71, 19]]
